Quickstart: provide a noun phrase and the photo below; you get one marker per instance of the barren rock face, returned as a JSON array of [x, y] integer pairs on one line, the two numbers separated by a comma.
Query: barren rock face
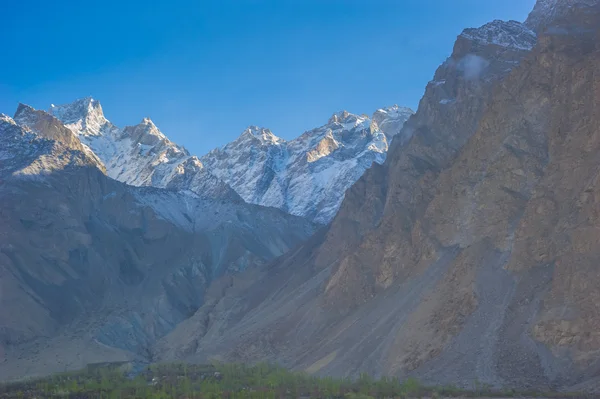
[[546, 12], [471, 254], [448, 116]]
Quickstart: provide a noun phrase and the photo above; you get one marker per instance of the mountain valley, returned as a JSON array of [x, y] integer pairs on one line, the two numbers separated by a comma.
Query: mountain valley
[[457, 245]]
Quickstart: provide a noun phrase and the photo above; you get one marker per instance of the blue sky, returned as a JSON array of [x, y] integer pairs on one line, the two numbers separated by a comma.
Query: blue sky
[[204, 70]]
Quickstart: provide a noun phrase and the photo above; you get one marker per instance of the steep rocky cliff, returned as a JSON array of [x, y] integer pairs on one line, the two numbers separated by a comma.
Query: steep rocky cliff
[[472, 253]]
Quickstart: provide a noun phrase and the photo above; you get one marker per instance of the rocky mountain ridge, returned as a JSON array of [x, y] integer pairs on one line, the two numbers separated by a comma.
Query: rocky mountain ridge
[[140, 155], [469, 254], [305, 177], [309, 175]]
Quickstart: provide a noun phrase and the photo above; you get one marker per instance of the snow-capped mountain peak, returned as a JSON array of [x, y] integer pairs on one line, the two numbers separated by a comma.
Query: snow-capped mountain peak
[[84, 116], [38, 138], [47, 126], [146, 133], [25, 114], [393, 111], [508, 34], [7, 119], [547, 11], [139, 155], [391, 119], [309, 175], [261, 135], [346, 118]]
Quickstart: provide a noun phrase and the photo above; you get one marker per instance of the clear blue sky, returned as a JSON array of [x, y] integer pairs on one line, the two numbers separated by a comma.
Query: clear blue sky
[[204, 70]]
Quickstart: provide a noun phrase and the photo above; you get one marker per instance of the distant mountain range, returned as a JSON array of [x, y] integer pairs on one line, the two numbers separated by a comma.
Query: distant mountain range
[[305, 177]]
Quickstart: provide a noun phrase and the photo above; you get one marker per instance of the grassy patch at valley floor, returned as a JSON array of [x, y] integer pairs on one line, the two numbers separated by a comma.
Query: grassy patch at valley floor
[[232, 381]]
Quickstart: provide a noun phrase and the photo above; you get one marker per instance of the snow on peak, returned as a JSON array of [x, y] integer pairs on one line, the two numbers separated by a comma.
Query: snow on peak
[[47, 126], [147, 133], [324, 148], [53, 145], [85, 116], [344, 117], [23, 111], [139, 155], [391, 119], [264, 136], [508, 34], [546, 11], [339, 116], [19, 147], [7, 119], [309, 175], [148, 122], [345, 120]]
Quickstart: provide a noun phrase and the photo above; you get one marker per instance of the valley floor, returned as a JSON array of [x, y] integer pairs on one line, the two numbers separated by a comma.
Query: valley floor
[[234, 381]]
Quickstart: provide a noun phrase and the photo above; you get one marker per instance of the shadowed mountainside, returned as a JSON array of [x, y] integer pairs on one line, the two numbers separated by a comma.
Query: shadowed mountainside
[[93, 270]]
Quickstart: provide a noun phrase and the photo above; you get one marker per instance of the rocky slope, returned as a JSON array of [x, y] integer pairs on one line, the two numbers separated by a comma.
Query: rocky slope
[[471, 254], [309, 175], [93, 270]]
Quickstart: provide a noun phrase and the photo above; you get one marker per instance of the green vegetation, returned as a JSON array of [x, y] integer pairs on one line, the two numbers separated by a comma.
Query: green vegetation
[[229, 381]]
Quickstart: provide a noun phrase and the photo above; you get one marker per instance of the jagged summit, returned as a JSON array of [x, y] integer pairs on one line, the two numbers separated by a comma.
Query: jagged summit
[[146, 132], [509, 34], [140, 155], [147, 121], [6, 118], [394, 109], [546, 11], [85, 113], [306, 176], [22, 109], [265, 136], [344, 117], [391, 119], [45, 125]]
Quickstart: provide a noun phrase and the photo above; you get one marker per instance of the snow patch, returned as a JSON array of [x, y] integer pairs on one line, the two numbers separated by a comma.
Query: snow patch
[[507, 34]]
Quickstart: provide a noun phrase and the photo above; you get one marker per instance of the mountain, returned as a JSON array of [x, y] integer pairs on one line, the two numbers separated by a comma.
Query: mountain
[[468, 256], [309, 175], [139, 155], [471, 254], [545, 12], [94, 270], [391, 119], [305, 177]]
